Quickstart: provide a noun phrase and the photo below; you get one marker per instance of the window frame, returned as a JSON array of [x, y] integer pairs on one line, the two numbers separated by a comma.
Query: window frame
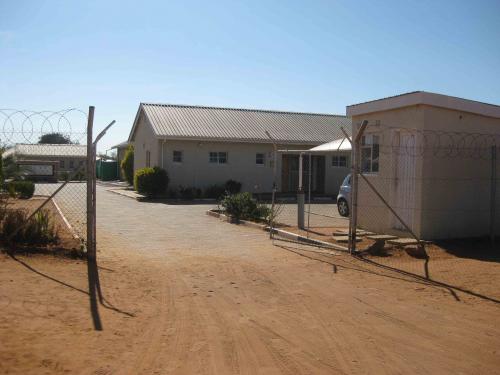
[[338, 163], [177, 153], [260, 156], [218, 157], [370, 144]]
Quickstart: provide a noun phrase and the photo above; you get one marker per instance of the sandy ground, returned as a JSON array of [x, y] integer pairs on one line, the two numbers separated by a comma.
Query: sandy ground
[[177, 304]]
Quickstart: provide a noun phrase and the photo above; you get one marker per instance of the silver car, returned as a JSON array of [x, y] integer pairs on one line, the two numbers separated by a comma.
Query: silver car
[[344, 197]]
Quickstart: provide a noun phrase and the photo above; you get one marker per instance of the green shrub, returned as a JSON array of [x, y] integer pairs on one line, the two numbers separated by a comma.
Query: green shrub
[[151, 181], [127, 165], [64, 176], [21, 189], [39, 230], [189, 193], [214, 191], [243, 206], [232, 186]]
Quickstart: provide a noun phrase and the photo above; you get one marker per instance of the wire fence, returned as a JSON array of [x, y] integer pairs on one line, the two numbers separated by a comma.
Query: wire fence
[[44, 178], [425, 204]]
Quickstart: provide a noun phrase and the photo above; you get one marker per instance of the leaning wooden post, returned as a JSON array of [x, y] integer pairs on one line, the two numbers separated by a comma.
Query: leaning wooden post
[[90, 186]]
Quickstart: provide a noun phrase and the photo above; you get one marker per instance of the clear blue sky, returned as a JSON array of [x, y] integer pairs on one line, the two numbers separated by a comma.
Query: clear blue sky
[[314, 56]]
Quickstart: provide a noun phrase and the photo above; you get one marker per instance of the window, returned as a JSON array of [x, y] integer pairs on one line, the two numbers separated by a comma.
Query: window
[[81, 163], [61, 164], [71, 164], [259, 159], [177, 156], [339, 161], [148, 159], [370, 153], [217, 157]]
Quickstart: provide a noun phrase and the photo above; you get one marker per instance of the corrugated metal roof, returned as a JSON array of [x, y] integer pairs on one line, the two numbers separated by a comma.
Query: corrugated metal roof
[[56, 150], [241, 125]]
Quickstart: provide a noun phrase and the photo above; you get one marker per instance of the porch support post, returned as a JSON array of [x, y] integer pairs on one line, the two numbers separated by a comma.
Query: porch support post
[[300, 196]]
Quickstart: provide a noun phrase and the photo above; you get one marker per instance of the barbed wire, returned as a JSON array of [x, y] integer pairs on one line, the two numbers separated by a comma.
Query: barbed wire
[[26, 126], [434, 143]]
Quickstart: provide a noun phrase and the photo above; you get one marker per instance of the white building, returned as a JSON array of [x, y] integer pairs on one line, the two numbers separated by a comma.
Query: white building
[[202, 146]]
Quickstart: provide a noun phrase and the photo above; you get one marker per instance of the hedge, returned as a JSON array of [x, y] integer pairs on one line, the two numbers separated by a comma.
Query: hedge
[[151, 181]]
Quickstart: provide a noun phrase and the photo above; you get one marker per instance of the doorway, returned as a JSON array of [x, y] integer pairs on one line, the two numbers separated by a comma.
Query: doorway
[[290, 173]]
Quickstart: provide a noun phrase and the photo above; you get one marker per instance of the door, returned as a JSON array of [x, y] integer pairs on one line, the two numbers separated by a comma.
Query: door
[[404, 180]]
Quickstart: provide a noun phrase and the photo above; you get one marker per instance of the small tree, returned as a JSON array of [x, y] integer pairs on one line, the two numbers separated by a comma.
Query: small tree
[[127, 165], [55, 138]]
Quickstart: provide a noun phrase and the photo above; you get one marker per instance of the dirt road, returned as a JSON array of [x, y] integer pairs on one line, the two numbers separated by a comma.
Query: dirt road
[[188, 294]]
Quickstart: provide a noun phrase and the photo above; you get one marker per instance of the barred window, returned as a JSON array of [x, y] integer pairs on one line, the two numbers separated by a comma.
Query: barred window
[[339, 161], [370, 153], [177, 156], [217, 157], [259, 159]]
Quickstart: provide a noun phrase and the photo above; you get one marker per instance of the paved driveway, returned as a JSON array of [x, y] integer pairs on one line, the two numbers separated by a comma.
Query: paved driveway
[[216, 298]]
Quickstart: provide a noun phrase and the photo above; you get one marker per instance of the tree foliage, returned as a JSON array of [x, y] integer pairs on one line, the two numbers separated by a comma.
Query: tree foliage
[[127, 165], [55, 138]]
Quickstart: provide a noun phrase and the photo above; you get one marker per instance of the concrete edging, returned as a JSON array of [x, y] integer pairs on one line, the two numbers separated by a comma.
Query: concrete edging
[[279, 232]]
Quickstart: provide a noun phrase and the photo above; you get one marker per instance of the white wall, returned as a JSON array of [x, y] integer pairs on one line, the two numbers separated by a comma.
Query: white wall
[[196, 170], [144, 140]]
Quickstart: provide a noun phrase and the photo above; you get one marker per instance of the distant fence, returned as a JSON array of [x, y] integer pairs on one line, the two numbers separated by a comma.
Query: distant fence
[[50, 149]]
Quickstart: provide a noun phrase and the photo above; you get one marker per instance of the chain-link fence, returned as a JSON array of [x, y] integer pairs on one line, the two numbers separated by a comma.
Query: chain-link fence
[[44, 178], [424, 200], [424, 203]]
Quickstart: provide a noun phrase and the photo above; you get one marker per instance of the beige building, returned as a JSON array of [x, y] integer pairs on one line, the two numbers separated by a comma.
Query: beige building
[[49, 162], [202, 146], [432, 158]]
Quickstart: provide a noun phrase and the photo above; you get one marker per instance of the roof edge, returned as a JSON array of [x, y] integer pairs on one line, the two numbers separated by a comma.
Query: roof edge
[[425, 98], [241, 109]]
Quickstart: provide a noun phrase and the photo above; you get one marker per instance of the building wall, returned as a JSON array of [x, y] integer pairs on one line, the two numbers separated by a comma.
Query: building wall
[[144, 140], [196, 170], [63, 163], [456, 182], [373, 215], [451, 188]]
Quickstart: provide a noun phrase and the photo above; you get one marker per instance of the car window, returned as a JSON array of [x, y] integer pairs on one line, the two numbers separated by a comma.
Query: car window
[[347, 180]]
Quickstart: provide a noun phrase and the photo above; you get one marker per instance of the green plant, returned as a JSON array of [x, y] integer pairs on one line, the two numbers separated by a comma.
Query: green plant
[[151, 181], [21, 189], [232, 186], [243, 206], [127, 165], [214, 191], [37, 230], [189, 193], [64, 176]]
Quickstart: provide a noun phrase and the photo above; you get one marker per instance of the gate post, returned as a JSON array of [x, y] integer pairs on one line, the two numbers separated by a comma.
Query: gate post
[[300, 196], [91, 255]]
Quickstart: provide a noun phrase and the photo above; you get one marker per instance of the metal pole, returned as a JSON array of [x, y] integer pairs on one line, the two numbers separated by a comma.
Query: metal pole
[[493, 193], [300, 196], [355, 155], [90, 163], [309, 195], [273, 194]]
